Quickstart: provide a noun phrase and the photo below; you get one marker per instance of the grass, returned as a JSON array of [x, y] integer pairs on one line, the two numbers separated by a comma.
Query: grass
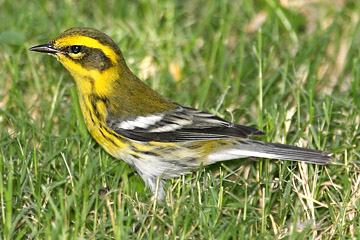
[[290, 69]]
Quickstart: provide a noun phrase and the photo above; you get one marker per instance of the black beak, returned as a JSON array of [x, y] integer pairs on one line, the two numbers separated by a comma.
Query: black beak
[[45, 48]]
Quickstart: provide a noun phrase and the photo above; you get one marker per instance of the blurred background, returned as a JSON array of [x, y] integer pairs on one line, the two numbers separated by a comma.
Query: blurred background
[[288, 67]]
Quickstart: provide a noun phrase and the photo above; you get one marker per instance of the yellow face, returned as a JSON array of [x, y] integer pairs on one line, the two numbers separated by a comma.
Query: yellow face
[[89, 55]]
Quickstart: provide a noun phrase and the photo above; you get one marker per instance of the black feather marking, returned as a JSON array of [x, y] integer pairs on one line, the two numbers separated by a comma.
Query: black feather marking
[[107, 138], [92, 119], [150, 153], [188, 124]]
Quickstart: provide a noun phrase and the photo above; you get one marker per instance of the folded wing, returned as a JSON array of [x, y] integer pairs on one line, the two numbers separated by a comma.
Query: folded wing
[[179, 125]]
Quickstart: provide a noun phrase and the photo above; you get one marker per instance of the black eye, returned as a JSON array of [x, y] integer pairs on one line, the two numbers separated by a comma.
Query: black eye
[[75, 49]]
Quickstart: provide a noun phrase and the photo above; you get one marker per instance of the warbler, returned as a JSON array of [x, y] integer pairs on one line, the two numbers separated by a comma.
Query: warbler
[[159, 138]]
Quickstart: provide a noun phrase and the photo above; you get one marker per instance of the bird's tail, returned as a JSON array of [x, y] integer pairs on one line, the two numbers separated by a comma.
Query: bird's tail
[[253, 148]]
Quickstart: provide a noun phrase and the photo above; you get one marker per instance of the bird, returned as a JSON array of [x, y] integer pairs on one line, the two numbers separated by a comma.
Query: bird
[[156, 136]]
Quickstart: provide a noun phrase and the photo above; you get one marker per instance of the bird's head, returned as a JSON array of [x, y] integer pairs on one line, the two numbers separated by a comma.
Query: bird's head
[[92, 58], [85, 52]]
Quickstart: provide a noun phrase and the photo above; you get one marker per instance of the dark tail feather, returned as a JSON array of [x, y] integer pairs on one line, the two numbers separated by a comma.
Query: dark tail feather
[[285, 152]]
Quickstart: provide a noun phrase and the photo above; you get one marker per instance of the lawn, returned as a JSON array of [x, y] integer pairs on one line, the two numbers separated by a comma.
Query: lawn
[[289, 68]]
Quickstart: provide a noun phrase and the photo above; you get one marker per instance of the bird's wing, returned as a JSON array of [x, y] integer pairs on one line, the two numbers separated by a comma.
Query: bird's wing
[[179, 125]]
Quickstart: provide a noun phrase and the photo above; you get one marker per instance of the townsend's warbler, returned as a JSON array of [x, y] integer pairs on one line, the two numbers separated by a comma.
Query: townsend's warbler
[[156, 136]]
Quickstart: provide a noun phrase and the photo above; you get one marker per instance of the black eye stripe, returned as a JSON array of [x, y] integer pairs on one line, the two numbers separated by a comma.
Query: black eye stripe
[[90, 58]]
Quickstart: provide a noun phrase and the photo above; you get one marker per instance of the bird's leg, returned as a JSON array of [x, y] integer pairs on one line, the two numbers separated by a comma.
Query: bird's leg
[[157, 188]]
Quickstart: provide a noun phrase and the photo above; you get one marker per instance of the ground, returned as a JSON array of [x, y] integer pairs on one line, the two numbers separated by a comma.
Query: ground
[[289, 68]]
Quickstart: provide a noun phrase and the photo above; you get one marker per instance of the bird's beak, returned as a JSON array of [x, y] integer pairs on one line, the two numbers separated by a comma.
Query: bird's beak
[[45, 48]]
